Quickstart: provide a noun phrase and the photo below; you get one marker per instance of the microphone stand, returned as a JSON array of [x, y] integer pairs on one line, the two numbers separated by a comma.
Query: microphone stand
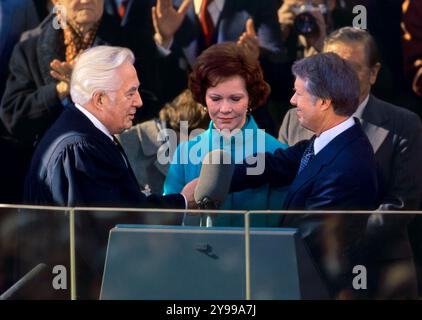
[[207, 203], [27, 278]]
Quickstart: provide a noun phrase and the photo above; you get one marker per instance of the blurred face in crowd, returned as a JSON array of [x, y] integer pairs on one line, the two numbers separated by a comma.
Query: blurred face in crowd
[[118, 107], [331, 3], [82, 12], [227, 103], [355, 54], [308, 107]]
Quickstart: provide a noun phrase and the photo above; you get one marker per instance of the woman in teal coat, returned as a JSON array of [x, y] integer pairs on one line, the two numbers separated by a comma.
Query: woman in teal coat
[[230, 83]]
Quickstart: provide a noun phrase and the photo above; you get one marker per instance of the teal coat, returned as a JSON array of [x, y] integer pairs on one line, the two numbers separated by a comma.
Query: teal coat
[[187, 161]]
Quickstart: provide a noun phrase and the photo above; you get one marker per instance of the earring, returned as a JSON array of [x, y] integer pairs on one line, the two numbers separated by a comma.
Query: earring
[[205, 109], [249, 110]]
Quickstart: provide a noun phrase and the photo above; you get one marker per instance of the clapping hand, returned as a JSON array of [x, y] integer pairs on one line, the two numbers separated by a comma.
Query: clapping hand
[[167, 20], [62, 72], [249, 40]]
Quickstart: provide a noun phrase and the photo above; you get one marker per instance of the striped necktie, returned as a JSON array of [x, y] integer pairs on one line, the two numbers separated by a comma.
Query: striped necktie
[[308, 155]]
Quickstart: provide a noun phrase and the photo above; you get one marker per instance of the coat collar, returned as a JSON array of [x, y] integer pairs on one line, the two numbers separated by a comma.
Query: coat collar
[[372, 112], [373, 123], [88, 128]]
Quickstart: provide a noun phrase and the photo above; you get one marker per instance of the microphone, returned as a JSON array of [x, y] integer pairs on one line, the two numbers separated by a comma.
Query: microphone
[[214, 181], [27, 278]]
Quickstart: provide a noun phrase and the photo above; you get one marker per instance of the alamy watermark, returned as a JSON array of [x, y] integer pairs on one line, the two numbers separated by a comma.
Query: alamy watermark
[[361, 19], [360, 281], [60, 279], [246, 145]]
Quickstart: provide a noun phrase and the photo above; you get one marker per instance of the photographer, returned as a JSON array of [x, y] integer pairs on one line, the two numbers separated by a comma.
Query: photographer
[[305, 23]]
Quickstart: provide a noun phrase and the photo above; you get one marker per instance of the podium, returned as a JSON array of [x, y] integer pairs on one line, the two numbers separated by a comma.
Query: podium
[[194, 263]]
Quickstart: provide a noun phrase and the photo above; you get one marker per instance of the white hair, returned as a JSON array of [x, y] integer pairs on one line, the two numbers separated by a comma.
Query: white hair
[[95, 70]]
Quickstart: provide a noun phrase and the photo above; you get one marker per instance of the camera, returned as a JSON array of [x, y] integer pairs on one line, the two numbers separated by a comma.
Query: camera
[[305, 23]]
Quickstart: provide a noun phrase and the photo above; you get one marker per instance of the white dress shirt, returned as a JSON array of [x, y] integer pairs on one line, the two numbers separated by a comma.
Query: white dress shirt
[[361, 108], [94, 121], [327, 136], [214, 8]]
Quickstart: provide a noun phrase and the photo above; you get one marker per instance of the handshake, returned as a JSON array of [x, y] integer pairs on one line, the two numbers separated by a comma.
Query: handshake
[[213, 185]]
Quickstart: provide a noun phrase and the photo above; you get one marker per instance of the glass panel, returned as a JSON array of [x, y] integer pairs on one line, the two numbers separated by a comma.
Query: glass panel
[[159, 255], [153, 254], [34, 253]]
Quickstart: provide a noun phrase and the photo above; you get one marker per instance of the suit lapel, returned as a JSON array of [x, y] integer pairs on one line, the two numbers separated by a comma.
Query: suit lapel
[[189, 38], [232, 20], [372, 120], [375, 134], [127, 163], [304, 176], [323, 158]]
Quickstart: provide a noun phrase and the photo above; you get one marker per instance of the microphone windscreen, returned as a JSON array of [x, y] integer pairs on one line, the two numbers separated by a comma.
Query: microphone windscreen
[[215, 177]]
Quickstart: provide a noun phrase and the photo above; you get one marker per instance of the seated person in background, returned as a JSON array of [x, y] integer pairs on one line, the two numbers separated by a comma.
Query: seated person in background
[[396, 138], [79, 162], [229, 82], [146, 142]]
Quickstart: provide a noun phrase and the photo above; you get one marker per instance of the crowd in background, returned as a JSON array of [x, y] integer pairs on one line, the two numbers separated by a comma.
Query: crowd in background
[[37, 56]]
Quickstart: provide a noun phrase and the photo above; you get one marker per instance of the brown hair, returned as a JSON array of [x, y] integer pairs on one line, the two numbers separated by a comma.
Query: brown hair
[[184, 108], [225, 60]]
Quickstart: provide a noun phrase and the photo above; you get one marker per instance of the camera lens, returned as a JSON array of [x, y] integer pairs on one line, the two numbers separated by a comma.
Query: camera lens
[[305, 23]]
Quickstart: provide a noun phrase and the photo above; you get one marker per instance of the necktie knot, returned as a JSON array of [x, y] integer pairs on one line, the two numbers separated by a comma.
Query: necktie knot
[[308, 155]]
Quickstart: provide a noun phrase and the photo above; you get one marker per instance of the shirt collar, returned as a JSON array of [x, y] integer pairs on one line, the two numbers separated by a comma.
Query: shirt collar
[[94, 121], [327, 136], [215, 8], [361, 108]]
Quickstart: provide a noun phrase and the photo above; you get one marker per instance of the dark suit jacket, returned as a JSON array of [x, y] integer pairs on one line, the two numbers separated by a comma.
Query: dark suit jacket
[[231, 24], [342, 176], [137, 30], [396, 138], [76, 164]]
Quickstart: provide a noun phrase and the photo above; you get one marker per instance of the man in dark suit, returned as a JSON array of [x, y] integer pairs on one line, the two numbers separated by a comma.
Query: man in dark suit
[[334, 170], [396, 138]]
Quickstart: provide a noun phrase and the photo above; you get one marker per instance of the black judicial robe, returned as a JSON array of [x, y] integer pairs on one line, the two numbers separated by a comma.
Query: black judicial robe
[[76, 164]]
